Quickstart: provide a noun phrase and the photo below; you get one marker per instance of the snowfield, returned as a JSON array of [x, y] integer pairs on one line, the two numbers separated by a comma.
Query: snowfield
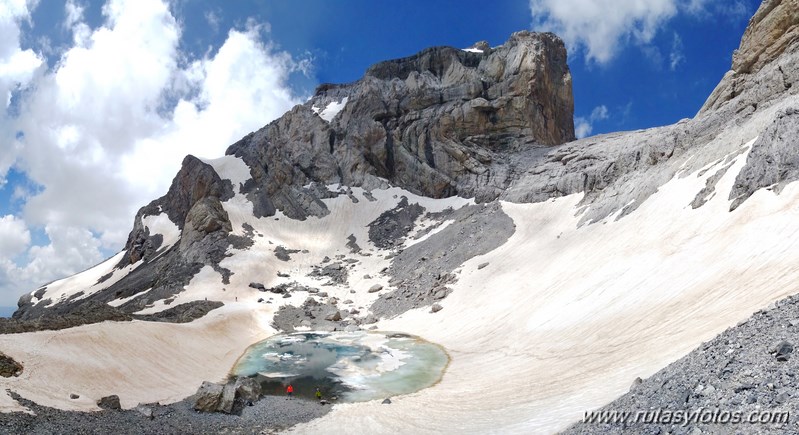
[[562, 320]]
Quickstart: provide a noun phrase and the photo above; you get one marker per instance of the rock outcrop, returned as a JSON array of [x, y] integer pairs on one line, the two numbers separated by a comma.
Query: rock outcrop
[[773, 161], [748, 368], [617, 172], [442, 122], [197, 182], [772, 30], [208, 397], [764, 66], [193, 204], [110, 403], [228, 398], [9, 367]]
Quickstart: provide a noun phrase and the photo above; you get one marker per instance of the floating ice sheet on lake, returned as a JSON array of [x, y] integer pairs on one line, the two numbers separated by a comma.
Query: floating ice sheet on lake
[[356, 366]]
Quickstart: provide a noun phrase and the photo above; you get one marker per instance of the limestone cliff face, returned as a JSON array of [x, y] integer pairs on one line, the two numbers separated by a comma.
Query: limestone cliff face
[[772, 30], [439, 123], [764, 66]]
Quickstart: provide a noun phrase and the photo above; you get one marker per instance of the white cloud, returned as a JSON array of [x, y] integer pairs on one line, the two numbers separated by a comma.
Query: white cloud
[[213, 19], [17, 66], [735, 9], [106, 128], [73, 14], [14, 236], [583, 126], [240, 88], [70, 250], [602, 27], [676, 57], [73, 21]]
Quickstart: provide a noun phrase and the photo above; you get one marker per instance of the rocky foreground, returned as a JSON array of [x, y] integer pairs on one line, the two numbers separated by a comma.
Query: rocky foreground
[[750, 369], [268, 415]]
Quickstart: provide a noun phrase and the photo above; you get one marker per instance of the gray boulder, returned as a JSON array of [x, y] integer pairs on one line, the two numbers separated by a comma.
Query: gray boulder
[[334, 317], [228, 398], [208, 397], [146, 411], [8, 366], [248, 389], [110, 403], [782, 351]]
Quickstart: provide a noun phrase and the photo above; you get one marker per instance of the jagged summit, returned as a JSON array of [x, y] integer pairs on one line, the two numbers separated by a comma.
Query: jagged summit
[[439, 123]]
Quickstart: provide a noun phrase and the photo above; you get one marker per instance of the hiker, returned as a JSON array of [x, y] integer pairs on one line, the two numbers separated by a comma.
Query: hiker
[[318, 394], [289, 392]]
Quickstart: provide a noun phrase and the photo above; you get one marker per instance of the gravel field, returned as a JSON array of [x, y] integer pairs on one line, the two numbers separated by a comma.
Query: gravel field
[[268, 415]]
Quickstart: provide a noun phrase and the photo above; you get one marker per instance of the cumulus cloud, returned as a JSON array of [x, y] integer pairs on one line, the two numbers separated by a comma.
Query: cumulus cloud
[[104, 130], [238, 90], [599, 28], [14, 236], [17, 66], [70, 250], [583, 126], [73, 21]]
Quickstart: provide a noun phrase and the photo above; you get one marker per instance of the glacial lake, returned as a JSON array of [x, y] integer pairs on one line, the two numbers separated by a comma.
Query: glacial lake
[[345, 366]]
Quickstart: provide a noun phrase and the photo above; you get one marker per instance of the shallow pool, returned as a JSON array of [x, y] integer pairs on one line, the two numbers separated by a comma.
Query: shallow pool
[[349, 366]]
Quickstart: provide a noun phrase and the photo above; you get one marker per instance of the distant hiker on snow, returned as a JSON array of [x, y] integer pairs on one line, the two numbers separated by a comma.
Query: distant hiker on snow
[[318, 394], [289, 392]]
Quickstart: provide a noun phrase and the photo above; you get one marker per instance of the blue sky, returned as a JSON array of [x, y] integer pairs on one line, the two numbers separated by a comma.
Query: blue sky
[[105, 97]]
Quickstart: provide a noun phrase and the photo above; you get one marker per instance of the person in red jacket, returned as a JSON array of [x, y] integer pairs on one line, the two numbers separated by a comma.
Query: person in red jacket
[[289, 392]]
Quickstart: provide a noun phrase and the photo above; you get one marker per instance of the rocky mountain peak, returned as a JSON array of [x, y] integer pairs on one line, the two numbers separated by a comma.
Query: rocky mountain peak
[[439, 123]]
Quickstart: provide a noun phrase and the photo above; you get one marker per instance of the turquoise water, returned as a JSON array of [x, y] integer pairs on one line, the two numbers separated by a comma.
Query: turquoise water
[[351, 366]]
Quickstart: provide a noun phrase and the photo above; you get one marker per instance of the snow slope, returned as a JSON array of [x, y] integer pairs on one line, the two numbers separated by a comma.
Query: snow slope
[[562, 320], [105, 274], [143, 362]]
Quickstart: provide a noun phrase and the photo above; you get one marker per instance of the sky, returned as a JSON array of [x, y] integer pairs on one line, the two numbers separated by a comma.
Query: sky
[[102, 99]]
